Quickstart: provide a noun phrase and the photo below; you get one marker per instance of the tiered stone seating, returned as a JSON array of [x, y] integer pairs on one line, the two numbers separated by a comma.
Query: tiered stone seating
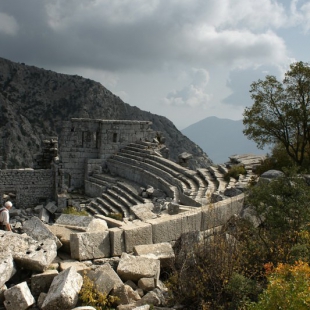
[[141, 155], [117, 196]]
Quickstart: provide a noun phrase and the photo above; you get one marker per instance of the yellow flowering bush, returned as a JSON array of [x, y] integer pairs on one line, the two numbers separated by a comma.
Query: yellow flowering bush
[[288, 288]]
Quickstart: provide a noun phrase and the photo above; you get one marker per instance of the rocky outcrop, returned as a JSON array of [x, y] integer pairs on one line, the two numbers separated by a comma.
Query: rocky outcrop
[[35, 101]]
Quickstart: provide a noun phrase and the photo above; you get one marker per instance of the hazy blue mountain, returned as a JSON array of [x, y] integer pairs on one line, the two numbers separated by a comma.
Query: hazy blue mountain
[[221, 138]]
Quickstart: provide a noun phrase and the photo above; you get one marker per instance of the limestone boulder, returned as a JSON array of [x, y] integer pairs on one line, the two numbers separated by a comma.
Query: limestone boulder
[[83, 223], [126, 295], [41, 282], [38, 231], [7, 268], [63, 234], [18, 297], [51, 207], [27, 252], [90, 245], [105, 279], [143, 211], [64, 290], [162, 251], [134, 268]]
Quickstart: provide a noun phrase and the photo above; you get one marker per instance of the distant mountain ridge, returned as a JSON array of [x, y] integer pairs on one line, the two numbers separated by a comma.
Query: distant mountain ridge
[[34, 102], [221, 138]]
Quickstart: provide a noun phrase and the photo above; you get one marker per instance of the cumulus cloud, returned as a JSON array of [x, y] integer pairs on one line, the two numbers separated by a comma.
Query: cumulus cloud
[[8, 24], [192, 95]]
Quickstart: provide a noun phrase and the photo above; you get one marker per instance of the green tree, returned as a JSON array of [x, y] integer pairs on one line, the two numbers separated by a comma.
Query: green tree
[[283, 206], [281, 112]]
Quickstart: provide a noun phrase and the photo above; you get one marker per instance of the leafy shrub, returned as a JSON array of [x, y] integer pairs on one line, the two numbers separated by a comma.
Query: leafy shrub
[[73, 211], [198, 282], [234, 172], [288, 289], [90, 296]]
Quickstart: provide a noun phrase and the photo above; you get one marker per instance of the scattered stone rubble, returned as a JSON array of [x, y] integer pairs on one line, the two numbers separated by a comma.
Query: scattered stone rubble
[[43, 266]]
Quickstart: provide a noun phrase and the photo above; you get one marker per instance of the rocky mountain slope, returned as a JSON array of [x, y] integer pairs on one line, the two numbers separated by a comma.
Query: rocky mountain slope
[[34, 102]]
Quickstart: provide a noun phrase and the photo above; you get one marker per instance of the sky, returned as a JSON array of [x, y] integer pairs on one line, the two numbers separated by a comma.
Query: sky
[[183, 59]]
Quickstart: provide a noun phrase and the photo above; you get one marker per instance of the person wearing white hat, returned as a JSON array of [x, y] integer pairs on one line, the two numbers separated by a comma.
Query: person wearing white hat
[[5, 216]]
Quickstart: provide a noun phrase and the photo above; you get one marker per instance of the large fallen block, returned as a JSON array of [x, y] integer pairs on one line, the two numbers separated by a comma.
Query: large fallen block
[[18, 297], [38, 231], [64, 290], [83, 223], [90, 245], [143, 211], [136, 267], [41, 282], [162, 251], [105, 279], [63, 234], [27, 252], [7, 268], [126, 295]]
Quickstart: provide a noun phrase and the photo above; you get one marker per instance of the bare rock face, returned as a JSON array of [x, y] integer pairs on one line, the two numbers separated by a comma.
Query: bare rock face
[[27, 252], [35, 101], [63, 293]]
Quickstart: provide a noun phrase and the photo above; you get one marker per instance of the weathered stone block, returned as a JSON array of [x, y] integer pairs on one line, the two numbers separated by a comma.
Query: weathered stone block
[[27, 252], [137, 233], [117, 241], [219, 213], [44, 215], [105, 279], [170, 228], [147, 284], [63, 234], [18, 297], [143, 211], [51, 207], [63, 293], [7, 268], [85, 223], [126, 295], [41, 282], [38, 231], [2, 290], [162, 251], [136, 267], [80, 267], [90, 245]]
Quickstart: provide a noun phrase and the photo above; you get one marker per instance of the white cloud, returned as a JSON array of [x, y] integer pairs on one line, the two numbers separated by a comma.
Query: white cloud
[[8, 24], [193, 95]]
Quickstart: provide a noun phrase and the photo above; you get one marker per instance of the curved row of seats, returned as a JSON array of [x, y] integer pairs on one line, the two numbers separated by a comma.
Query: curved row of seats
[[141, 163]]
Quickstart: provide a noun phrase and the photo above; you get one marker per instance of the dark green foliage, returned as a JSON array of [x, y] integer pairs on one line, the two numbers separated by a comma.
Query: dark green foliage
[[234, 172], [280, 113]]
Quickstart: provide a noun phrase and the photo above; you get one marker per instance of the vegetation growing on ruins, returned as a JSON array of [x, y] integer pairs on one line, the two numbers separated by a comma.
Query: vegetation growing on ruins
[[262, 263], [234, 172], [74, 211], [232, 269], [90, 296]]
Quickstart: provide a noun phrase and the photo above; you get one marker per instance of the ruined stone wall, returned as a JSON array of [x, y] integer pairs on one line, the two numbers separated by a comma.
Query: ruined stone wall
[[83, 140], [29, 186]]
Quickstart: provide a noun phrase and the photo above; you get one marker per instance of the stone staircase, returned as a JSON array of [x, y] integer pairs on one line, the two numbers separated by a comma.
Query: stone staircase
[[117, 197]]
